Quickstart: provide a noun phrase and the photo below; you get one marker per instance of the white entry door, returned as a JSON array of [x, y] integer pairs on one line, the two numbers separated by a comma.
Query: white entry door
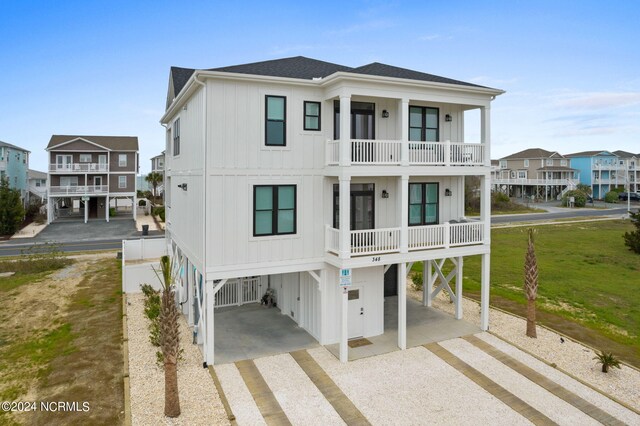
[[356, 312]]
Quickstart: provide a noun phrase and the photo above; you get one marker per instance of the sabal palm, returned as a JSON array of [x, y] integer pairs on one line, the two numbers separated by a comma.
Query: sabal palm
[[531, 285], [154, 178]]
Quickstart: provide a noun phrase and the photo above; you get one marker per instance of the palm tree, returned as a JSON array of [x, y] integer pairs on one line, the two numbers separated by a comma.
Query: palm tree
[[531, 285], [154, 178], [169, 338], [607, 359]]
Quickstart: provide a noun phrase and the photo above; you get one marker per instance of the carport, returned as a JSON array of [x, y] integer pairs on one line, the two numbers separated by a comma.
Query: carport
[[253, 331]]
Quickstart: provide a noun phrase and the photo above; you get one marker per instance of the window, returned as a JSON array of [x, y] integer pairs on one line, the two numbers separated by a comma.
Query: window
[[176, 137], [122, 181], [85, 158], [503, 164], [423, 124], [311, 115], [549, 162], [274, 210], [563, 162], [68, 180], [526, 163], [122, 160], [522, 174], [423, 204], [275, 120]]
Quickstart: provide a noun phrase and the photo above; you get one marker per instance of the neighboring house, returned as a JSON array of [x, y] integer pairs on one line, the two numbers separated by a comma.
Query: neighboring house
[[88, 174], [632, 168], [601, 170], [266, 183], [14, 166], [37, 185], [157, 166], [535, 172]]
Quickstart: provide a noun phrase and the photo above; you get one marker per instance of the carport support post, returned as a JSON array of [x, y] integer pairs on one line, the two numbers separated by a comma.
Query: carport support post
[[106, 208], [402, 305], [484, 293], [86, 211], [459, 289], [427, 284], [344, 330]]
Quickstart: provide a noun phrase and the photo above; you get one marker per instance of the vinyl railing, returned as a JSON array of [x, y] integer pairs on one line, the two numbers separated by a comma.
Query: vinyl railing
[[390, 152], [370, 241], [78, 189], [515, 181], [79, 167], [238, 291], [332, 240]]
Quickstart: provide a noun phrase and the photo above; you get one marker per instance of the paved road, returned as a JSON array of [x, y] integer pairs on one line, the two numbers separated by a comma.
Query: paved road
[[560, 215], [14, 249]]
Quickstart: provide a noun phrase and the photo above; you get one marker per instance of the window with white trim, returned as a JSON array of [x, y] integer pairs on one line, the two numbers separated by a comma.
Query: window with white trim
[[522, 174], [122, 160], [503, 164], [122, 182], [176, 137], [85, 158], [549, 161], [526, 163]]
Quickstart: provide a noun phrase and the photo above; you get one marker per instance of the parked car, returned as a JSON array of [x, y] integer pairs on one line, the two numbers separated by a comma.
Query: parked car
[[634, 196]]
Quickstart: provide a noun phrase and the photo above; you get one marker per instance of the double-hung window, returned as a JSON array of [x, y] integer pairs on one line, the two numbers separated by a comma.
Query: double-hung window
[[275, 120], [176, 137], [423, 124], [311, 115], [85, 158], [122, 160], [526, 163], [274, 210], [423, 204], [122, 182]]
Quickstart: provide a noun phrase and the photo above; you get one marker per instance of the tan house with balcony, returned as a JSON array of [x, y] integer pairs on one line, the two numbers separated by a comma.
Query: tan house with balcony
[[89, 174], [534, 172]]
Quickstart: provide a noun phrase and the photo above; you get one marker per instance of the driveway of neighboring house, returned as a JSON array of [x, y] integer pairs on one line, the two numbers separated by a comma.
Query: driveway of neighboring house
[[94, 230]]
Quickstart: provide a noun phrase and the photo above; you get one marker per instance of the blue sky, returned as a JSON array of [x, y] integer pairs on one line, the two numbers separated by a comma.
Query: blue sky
[[571, 69]]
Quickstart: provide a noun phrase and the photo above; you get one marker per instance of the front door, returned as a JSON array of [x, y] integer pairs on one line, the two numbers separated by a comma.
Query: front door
[[102, 162], [63, 162], [356, 313], [97, 182], [362, 215]]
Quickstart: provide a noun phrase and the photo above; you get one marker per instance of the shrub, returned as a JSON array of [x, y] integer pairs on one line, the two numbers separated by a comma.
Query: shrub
[[142, 203], [11, 210], [152, 312], [611, 197], [416, 278], [500, 197], [158, 211], [112, 212], [632, 239], [580, 198], [607, 359]]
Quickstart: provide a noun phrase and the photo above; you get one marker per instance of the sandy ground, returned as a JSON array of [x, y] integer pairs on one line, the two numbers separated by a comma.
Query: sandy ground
[[29, 231]]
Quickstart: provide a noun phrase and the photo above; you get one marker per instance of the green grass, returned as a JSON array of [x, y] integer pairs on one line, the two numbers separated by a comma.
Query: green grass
[[586, 275]]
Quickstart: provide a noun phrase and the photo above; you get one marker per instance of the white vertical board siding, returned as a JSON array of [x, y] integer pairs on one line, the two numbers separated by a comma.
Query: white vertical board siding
[[310, 304], [371, 281], [187, 207]]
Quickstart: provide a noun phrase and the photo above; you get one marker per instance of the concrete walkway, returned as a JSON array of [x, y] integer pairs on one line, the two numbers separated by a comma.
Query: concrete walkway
[[441, 383]]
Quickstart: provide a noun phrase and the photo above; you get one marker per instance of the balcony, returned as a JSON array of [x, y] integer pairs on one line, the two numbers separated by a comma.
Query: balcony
[[390, 152], [387, 240], [3, 165], [79, 168], [515, 181], [76, 190]]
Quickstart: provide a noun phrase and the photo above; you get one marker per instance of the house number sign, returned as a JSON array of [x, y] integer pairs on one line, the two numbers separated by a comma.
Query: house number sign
[[345, 277]]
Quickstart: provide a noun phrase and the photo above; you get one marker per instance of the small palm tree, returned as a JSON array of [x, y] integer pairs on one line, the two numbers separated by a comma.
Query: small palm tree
[[607, 359], [169, 338], [154, 178], [531, 285]]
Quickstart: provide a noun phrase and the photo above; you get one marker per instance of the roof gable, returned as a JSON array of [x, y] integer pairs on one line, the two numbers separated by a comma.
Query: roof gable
[[113, 143], [178, 78], [384, 70], [533, 153], [9, 145], [591, 154]]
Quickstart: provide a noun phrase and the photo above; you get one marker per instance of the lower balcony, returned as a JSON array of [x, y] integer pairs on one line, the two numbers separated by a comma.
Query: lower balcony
[[75, 190], [387, 240]]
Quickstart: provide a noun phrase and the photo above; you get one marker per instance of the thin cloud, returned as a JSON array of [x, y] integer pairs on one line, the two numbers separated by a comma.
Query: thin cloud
[[484, 79], [432, 37], [598, 100]]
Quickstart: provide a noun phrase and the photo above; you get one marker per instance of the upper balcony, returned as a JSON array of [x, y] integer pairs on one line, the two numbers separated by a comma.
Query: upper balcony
[[68, 168], [391, 152], [3, 165], [78, 190]]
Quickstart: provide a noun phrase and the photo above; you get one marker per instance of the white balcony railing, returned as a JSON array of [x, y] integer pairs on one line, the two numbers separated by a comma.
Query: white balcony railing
[[390, 152], [387, 240], [72, 190], [79, 167], [515, 181]]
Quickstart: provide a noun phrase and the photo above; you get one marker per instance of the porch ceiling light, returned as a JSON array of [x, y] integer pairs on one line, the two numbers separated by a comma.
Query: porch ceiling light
[[385, 113], [448, 118], [447, 192], [385, 194]]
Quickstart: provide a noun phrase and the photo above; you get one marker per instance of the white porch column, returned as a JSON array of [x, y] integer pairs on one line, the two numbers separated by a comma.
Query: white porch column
[[484, 292], [190, 283], [485, 133], [344, 219], [459, 277], [402, 305], [485, 207], [106, 207], [86, 211], [404, 214], [345, 130], [403, 125], [344, 326], [50, 205], [209, 334], [135, 207], [427, 284]]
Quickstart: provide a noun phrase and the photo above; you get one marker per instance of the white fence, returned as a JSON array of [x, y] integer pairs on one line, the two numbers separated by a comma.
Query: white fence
[[142, 257], [239, 291], [144, 248]]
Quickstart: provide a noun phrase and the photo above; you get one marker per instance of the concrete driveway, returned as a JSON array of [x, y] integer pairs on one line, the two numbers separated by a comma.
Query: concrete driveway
[[94, 230]]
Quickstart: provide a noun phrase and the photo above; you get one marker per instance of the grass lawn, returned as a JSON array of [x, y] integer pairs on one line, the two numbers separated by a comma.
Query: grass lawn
[[60, 340], [586, 275]]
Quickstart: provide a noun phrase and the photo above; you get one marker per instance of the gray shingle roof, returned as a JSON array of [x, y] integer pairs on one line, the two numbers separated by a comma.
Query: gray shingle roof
[[624, 154], [555, 169], [532, 153], [115, 143], [8, 145], [588, 153], [307, 69], [35, 174]]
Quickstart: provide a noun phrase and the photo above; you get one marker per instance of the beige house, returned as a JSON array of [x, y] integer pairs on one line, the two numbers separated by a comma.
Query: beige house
[[535, 173], [90, 174]]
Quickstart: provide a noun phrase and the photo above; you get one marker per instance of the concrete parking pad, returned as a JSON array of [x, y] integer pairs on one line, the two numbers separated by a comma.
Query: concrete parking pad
[[94, 230]]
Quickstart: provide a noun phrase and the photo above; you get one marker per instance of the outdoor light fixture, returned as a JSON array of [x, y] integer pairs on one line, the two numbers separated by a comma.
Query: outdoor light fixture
[[385, 194], [447, 192], [448, 118], [385, 113], [183, 186]]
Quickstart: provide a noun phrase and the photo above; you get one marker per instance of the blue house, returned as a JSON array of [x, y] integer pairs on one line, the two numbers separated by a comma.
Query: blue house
[[601, 170], [14, 166]]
